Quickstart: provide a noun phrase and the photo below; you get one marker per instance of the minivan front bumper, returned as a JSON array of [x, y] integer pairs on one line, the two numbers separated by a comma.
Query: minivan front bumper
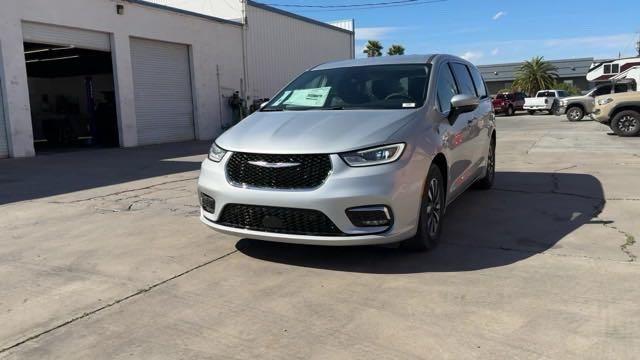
[[392, 185]]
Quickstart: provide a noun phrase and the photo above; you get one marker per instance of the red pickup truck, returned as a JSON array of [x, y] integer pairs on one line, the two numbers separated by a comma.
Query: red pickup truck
[[508, 103]]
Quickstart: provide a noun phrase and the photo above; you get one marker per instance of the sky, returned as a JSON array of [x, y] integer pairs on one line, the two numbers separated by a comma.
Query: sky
[[494, 31]]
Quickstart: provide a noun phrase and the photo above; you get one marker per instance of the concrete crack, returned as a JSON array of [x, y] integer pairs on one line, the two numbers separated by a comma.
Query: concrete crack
[[123, 191], [552, 192], [629, 241], [115, 302], [566, 168]]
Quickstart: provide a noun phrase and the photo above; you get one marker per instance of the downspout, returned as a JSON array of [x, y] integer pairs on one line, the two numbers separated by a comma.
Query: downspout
[[245, 71]]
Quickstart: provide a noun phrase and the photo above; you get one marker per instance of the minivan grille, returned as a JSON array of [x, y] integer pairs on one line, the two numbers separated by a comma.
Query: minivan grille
[[278, 220], [278, 171]]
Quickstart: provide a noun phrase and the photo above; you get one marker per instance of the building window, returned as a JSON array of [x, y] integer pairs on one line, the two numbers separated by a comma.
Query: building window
[[568, 82]]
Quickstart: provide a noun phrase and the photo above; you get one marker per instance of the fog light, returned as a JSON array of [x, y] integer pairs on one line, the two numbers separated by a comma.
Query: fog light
[[370, 216], [207, 203]]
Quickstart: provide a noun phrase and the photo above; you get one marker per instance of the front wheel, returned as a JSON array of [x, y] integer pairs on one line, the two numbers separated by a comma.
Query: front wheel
[[510, 111], [431, 213], [575, 114], [626, 123]]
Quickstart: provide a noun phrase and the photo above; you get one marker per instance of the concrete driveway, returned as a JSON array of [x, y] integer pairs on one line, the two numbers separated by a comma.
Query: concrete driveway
[[102, 256]]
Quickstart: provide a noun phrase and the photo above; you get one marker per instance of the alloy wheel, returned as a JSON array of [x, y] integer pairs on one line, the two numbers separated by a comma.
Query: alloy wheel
[[574, 114], [434, 207], [627, 123]]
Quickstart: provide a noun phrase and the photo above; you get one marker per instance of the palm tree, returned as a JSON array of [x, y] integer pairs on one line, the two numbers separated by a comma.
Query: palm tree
[[396, 50], [373, 48], [535, 75]]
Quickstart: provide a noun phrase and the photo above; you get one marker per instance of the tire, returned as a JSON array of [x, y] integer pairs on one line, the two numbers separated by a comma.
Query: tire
[[531, 112], [575, 113], [509, 111], [626, 123], [486, 182], [431, 213]]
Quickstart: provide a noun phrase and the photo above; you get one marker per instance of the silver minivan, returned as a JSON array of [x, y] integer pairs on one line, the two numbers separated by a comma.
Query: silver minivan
[[356, 152]]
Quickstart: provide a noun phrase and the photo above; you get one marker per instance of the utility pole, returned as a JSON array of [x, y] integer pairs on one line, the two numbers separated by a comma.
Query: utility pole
[[638, 45]]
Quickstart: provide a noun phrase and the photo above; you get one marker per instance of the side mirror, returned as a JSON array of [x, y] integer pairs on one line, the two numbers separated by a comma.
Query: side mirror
[[263, 104], [461, 104]]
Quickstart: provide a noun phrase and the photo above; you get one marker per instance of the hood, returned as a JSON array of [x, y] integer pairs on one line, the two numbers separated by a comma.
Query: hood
[[572, 98], [309, 132]]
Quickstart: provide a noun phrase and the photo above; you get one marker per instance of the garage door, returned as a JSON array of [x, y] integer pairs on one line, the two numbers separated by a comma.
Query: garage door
[[162, 87], [64, 36], [4, 143]]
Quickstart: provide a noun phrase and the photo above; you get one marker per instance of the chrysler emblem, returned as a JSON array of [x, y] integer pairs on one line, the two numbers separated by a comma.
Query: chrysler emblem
[[276, 165]]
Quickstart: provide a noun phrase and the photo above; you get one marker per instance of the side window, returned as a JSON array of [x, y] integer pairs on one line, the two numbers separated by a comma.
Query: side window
[[607, 69], [463, 78], [620, 88], [447, 88], [481, 88], [606, 89], [615, 68]]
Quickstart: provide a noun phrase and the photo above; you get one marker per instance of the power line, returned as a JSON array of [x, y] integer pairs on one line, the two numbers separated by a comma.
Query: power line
[[373, 5]]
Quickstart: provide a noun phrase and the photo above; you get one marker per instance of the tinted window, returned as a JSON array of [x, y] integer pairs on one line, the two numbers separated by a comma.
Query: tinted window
[[561, 94], [615, 68], [481, 89], [620, 88], [446, 88], [607, 69], [602, 90], [463, 79]]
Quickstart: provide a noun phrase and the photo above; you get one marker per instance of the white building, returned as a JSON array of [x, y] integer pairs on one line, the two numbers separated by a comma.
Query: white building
[[126, 73]]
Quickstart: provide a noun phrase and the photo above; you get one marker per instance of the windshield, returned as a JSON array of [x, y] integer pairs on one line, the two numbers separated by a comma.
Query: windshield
[[361, 87]]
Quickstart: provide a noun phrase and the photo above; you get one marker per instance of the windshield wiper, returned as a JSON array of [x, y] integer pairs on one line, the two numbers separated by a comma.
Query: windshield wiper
[[272, 109]]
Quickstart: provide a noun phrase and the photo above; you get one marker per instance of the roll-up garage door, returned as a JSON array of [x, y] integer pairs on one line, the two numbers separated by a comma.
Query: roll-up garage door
[[162, 87], [64, 36], [4, 143]]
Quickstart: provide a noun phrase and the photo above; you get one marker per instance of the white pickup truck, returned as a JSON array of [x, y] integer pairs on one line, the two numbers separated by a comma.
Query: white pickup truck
[[545, 100]]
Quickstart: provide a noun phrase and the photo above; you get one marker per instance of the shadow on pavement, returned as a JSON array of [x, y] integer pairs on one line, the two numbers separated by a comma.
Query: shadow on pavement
[[48, 175], [525, 214]]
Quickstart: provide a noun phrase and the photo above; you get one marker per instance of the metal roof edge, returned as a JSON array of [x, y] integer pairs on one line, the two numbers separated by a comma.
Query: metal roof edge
[[183, 12], [296, 16]]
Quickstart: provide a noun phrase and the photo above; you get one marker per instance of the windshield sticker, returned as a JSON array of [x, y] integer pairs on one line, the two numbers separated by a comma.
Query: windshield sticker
[[309, 97], [282, 98], [408, 105]]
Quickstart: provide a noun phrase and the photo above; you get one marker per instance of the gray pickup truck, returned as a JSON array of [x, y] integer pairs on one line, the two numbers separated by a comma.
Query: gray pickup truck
[[576, 107]]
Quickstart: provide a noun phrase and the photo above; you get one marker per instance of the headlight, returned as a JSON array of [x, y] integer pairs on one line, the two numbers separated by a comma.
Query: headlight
[[374, 156], [216, 153], [604, 101], [563, 102]]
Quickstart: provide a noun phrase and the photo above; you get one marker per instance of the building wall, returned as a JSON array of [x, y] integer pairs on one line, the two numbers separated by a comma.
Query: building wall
[[226, 9], [280, 47], [213, 45]]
